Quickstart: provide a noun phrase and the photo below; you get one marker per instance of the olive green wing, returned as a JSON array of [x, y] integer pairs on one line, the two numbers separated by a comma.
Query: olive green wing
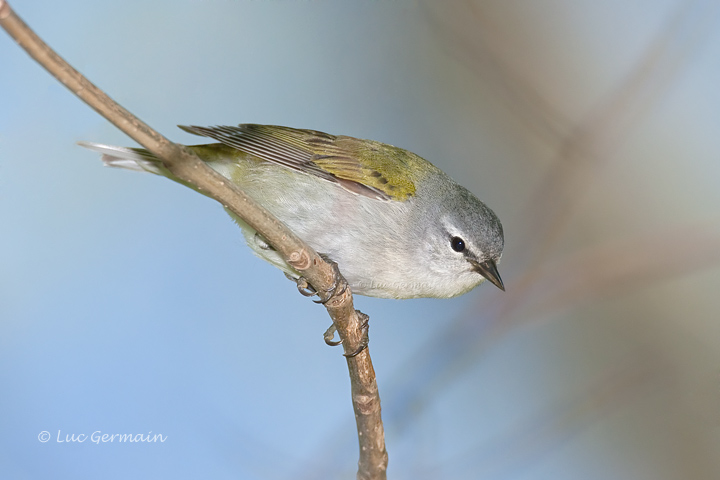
[[365, 167]]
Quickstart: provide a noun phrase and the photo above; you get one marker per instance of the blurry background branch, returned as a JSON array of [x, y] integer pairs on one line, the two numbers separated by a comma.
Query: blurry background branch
[[553, 282]]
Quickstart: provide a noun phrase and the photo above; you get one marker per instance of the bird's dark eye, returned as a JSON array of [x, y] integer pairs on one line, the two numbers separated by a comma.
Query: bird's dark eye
[[457, 244]]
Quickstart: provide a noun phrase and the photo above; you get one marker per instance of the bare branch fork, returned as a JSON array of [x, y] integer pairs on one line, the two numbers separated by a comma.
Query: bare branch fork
[[186, 166]]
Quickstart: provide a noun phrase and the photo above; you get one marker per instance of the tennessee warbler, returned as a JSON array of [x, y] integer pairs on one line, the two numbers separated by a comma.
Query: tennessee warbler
[[397, 226]]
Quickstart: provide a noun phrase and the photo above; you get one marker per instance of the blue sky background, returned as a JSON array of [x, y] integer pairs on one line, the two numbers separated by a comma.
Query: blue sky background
[[129, 304]]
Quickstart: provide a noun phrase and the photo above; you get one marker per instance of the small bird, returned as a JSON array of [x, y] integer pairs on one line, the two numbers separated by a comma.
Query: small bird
[[397, 226]]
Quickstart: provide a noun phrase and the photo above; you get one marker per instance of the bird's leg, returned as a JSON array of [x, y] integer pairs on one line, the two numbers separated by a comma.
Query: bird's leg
[[338, 286], [364, 340]]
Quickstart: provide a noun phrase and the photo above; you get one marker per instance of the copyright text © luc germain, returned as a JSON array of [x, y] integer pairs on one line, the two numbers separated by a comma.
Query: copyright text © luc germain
[[99, 437]]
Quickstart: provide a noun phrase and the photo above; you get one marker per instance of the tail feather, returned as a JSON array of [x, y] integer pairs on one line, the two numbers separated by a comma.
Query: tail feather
[[136, 159]]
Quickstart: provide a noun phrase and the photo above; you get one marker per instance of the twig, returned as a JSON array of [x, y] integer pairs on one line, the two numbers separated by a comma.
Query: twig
[[187, 167]]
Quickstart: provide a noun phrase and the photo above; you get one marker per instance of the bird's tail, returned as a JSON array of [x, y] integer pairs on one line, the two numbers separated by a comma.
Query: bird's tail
[[137, 159]]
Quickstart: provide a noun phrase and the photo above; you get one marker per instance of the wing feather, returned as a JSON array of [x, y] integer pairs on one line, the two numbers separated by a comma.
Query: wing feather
[[364, 167]]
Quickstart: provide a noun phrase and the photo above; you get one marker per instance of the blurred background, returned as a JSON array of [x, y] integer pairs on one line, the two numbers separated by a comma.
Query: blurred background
[[129, 304]]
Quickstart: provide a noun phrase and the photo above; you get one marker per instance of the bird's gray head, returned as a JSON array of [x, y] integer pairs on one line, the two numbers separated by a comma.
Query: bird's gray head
[[463, 240]]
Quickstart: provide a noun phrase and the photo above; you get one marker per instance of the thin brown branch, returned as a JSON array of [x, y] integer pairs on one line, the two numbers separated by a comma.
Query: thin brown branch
[[187, 167]]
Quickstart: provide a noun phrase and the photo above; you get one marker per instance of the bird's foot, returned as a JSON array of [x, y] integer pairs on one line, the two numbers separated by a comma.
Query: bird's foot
[[338, 287], [329, 335], [303, 286]]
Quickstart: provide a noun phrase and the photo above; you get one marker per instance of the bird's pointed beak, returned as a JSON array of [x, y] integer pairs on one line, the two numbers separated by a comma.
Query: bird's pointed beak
[[489, 270]]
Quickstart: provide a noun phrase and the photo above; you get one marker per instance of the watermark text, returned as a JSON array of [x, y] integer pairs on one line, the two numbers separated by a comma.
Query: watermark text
[[98, 437]]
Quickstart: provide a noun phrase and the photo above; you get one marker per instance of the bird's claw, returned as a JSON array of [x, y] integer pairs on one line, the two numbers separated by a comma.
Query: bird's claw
[[303, 286], [339, 285], [338, 288], [364, 340], [330, 334]]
